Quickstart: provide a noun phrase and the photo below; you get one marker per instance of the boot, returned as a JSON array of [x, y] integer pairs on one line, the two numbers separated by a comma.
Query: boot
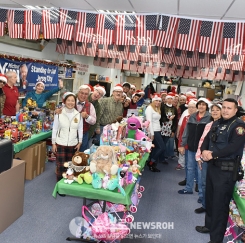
[[182, 183], [152, 167]]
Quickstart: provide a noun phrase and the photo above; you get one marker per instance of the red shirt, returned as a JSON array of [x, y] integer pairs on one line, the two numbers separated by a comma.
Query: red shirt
[[12, 96]]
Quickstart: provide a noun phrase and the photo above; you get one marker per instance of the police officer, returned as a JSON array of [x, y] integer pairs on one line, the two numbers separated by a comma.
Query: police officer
[[222, 148]]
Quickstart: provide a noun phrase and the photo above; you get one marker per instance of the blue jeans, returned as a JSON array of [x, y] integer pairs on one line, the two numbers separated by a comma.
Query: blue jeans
[[170, 147], [204, 176], [159, 147], [84, 145]]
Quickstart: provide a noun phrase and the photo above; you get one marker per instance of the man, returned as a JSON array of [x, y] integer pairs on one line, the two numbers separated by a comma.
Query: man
[[141, 99], [134, 100], [87, 111], [23, 76], [111, 107], [223, 144], [126, 87], [131, 91], [11, 105]]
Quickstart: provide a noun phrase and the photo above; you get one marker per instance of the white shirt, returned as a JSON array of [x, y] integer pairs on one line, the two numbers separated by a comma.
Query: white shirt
[[154, 118], [184, 114]]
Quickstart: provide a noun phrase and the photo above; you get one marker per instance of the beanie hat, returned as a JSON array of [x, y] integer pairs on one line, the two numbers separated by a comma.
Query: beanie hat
[[100, 88], [156, 96], [170, 95], [3, 78], [86, 86], [39, 82], [118, 87]]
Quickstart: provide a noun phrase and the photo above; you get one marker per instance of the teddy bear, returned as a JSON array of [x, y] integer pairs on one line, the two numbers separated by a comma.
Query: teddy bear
[[79, 164], [104, 160]]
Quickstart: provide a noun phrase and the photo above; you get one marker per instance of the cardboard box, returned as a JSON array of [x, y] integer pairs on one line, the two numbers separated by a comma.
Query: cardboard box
[[42, 157], [30, 156], [12, 191]]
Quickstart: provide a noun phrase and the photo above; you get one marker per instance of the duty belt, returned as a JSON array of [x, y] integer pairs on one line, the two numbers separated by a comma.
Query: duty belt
[[226, 165]]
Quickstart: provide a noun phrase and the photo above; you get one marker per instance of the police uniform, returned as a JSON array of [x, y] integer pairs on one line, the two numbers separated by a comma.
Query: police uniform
[[226, 140]]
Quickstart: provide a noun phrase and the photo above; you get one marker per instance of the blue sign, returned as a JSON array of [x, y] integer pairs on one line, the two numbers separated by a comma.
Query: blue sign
[[29, 73]]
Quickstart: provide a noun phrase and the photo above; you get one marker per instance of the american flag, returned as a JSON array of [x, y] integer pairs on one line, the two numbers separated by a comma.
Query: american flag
[[212, 73], [228, 74], [144, 54], [146, 29], [187, 72], [50, 24], [140, 67], [85, 27], [156, 68], [148, 67], [125, 30], [96, 61], [220, 73], [168, 55], [61, 46], [118, 63], [71, 47], [225, 61], [237, 76], [15, 23], [214, 60], [196, 72], [105, 30], [33, 20], [91, 49], [210, 35], [237, 62], [103, 62], [3, 19], [68, 20], [203, 60], [166, 31], [133, 52], [187, 35], [126, 65], [191, 58], [133, 66], [122, 52], [163, 68], [102, 50], [180, 57], [179, 71], [81, 49], [111, 51], [111, 63], [204, 72], [156, 54], [171, 70], [233, 38]]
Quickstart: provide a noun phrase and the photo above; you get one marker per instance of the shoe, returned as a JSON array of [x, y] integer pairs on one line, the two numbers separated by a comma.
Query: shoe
[[165, 162], [61, 195], [199, 200], [152, 167], [183, 191], [200, 210], [182, 183], [196, 188], [179, 167], [202, 229]]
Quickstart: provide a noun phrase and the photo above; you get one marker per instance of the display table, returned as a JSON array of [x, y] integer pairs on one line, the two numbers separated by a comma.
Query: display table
[[87, 191], [34, 139], [240, 202]]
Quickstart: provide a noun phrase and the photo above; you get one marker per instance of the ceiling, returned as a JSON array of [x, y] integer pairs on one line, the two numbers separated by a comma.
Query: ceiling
[[205, 9]]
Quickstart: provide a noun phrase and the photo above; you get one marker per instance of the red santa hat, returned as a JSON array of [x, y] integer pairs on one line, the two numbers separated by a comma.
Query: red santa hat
[[176, 95], [156, 96], [118, 87], [37, 83], [170, 95], [100, 88], [132, 86], [190, 101], [127, 98], [87, 86], [3, 78], [183, 96], [141, 92], [205, 100], [67, 93], [190, 94]]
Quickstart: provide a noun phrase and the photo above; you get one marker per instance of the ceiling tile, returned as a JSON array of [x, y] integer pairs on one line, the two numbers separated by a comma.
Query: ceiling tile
[[236, 11]]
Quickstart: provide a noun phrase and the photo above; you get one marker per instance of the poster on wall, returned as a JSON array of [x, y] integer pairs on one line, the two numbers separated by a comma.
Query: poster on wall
[[29, 73]]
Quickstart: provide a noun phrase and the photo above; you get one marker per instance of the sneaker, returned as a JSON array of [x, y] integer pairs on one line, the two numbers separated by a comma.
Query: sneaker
[[183, 191], [182, 183], [179, 167]]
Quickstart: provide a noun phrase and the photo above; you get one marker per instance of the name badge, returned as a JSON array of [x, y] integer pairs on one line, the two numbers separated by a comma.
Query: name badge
[[75, 120]]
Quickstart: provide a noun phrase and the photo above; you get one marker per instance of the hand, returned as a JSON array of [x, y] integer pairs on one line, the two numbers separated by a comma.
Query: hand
[[181, 150], [84, 115], [200, 164], [207, 155], [97, 131], [58, 111], [61, 84], [78, 147], [172, 135], [171, 117], [152, 137], [54, 148]]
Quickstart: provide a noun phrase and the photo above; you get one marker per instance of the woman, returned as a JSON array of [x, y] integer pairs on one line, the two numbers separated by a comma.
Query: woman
[[67, 133], [153, 115], [215, 115], [38, 94], [126, 106], [3, 81]]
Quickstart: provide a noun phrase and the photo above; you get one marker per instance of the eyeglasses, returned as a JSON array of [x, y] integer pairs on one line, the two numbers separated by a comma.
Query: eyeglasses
[[82, 93], [100, 94]]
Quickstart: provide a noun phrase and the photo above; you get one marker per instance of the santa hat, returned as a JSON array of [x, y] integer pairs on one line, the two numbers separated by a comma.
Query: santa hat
[[39, 82], [132, 86], [3, 78], [100, 88], [67, 93], [170, 95], [176, 95], [127, 98], [124, 94], [190, 94], [183, 96], [215, 104], [126, 83], [141, 92], [156, 96], [205, 100], [191, 101], [136, 93], [86, 86], [163, 93], [118, 87]]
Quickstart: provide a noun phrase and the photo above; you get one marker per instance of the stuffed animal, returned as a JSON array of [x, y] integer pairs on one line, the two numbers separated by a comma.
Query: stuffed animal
[[135, 167], [69, 176], [87, 177], [104, 160], [115, 183], [97, 181]]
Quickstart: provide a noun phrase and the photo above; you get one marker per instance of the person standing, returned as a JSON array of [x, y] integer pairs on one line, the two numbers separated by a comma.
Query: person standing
[[223, 144], [67, 134], [3, 80], [11, 105]]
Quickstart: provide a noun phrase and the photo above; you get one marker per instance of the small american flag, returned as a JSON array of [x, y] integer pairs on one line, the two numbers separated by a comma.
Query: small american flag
[[140, 67], [237, 62], [220, 73], [71, 47], [103, 62], [212, 73], [126, 65], [171, 70], [133, 66], [3, 19], [111, 51], [210, 35], [180, 57], [203, 60], [166, 31], [61, 46], [111, 63], [187, 35], [191, 58], [85, 27], [125, 30], [33, 20], [96, 61], [15, 23], [156, 68], [122, 52], [68, 19], [105, 30], [102, 50], [148, 67], [238, 76], [163, 68], [133, 52], [144, 54], [228, 74], [204, 72], [196, 72], [91, 49], [146, 29], [156, 54], [81, 49], [168, 55], [214, 60], [233, 38], [225, 61], [187, 72], [118, 63], [50, 26], [179, 71]]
